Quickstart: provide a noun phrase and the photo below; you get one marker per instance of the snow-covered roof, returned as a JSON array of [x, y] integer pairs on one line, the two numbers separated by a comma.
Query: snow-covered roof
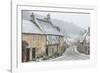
[[85, 36], [48, 28], [41, 24], [29, 27]]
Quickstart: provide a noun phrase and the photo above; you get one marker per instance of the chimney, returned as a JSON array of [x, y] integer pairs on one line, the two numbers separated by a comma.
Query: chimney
[[33, 17], [48, 17]]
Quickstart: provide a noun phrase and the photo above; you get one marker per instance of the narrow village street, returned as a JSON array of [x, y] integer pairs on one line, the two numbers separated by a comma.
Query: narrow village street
[[45, 39], [71, 54]]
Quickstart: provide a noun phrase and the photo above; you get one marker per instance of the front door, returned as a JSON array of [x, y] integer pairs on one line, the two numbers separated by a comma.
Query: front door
[[27, 54], [33, 52], [47, 51]]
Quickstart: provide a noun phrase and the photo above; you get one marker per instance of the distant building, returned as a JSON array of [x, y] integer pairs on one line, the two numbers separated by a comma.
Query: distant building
[[40, 39], [84, 43]]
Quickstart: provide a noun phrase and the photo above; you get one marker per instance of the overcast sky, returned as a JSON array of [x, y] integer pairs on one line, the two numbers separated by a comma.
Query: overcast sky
[[81, 20]]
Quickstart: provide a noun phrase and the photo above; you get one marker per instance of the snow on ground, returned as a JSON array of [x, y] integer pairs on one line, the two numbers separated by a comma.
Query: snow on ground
[[71, 54]]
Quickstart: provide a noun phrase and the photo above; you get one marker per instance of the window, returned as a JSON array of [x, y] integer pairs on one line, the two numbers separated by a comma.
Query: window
[[52, 39], [35, 37]]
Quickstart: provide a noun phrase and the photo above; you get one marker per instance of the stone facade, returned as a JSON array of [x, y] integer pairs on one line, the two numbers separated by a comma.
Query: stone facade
[[39, 44], [83, 45]]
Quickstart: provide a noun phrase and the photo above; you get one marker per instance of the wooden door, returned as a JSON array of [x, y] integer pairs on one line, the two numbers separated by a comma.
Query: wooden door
[[33, 52], [28, 54], [47, 51], [23, 55]]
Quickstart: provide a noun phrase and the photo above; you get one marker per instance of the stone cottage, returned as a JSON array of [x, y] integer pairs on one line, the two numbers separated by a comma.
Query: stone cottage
[[40, 38], [84, 43]]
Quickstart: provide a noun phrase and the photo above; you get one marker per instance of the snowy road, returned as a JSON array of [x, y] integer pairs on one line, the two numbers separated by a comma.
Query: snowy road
[[71, 54]]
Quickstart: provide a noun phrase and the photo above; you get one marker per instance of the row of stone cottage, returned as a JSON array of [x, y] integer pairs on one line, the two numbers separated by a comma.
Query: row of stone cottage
[[40, 38], [83, 45]]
